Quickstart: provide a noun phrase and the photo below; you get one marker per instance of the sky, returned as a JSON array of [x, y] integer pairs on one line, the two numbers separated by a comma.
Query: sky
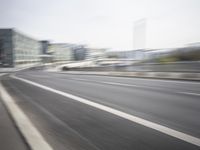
[[105, 23]]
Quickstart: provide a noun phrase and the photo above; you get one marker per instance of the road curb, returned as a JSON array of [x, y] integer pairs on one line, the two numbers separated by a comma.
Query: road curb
[[31, 135]]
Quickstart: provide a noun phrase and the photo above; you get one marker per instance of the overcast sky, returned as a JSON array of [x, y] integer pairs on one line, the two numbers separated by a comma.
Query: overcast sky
[[105, 23]]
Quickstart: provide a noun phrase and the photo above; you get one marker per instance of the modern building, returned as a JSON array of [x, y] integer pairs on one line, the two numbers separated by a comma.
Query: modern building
[[44, 47], [96, 53], [17, 49], [46, 56], [136, 55], [139, 35], [61, 52], [80, 52]]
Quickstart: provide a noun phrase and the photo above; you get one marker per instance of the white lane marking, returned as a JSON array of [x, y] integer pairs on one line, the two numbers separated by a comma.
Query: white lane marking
[[149, 124], [79, 79], [189, 93], [157, 80], [30, 133], [38, 76], [54, 118], [123, 84], [133, 85], [110, 83]]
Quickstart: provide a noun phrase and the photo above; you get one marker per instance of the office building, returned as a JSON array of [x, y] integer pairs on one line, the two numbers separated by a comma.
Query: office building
[[80, 52], [44, 47], [139, 35], [61, 52], [17, 49], [96, 53]]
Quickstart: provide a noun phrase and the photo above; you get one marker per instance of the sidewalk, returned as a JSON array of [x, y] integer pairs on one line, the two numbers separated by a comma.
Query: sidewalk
[[10, 138]]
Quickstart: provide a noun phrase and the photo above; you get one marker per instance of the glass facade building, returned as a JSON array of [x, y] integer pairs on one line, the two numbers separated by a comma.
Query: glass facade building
[[6, 53], [80, 52], [17, 49], [61, 52]]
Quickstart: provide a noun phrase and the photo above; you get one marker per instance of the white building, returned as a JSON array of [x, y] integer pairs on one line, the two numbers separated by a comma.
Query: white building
[[96, 53], [17, 49], [61, 51]]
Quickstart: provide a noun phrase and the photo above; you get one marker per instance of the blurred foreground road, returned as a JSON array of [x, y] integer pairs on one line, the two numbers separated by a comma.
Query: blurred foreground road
[[68, 124]]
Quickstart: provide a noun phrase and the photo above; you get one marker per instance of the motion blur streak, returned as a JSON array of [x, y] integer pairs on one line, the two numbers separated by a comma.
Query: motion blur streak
[[66, 123]]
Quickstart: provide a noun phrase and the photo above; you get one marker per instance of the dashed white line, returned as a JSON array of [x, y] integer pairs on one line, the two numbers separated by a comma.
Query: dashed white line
[[107, 82], [121, 84], [149, 124]]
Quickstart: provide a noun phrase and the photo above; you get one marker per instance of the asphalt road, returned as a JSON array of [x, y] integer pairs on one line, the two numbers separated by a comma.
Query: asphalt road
[[10, 137], [68, 124]]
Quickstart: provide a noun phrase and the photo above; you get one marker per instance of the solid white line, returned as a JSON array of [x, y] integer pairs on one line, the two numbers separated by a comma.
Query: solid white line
[[149, 124], [190, 93], [30, 133]]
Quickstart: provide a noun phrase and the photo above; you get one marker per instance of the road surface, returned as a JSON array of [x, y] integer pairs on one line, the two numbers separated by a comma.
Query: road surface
[[69, 124]]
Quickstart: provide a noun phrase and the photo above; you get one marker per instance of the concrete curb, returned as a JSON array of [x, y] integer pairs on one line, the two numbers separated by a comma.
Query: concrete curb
[[156, 75], [31, 135]]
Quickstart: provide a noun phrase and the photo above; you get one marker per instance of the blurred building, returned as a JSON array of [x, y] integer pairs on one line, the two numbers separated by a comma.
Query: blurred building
[[46, 56], [17, 49], [80, 52], [196, 44], [127, 54], [139, 35], [96, 53], [44, 47], [61, 52], [191, 52]]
